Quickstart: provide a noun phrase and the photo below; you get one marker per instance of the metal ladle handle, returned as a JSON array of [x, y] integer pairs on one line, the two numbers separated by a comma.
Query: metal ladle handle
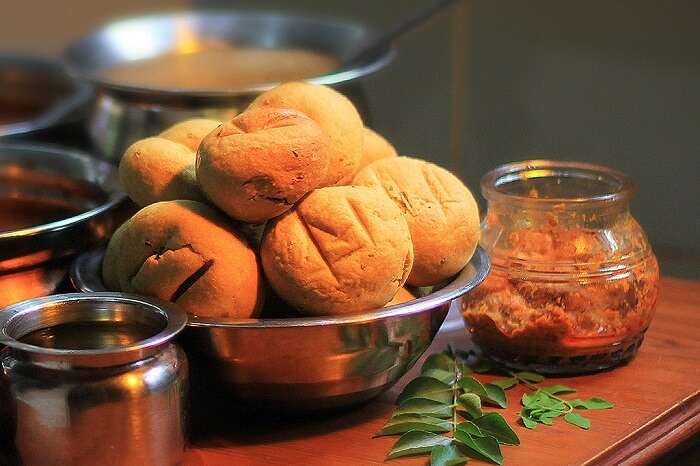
[[370, 46]]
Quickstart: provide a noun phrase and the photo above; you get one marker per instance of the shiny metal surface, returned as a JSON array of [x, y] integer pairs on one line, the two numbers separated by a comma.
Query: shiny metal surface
[[301, 363], [110, 404], [123, 114], [33, 257], [40, 82]]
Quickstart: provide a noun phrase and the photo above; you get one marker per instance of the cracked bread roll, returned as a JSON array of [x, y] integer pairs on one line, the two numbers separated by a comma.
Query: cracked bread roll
[[336, 116], [156, 169], [340, 250], [374, 147], [186, 253], [259, 164], [190, 133], [441, 212]]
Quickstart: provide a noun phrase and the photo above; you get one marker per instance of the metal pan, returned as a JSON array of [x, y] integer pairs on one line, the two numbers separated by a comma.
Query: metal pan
[[54, 204], [125, 113]]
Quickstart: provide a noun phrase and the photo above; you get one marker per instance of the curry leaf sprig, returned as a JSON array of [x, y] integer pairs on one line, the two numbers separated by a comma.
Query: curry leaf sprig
[[543, 405], [440, 414]]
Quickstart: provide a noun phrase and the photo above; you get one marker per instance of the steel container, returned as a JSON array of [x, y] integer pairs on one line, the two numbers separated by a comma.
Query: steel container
[[54, 204], [307, 362], [93, 379], [39, 100], [125, 113]]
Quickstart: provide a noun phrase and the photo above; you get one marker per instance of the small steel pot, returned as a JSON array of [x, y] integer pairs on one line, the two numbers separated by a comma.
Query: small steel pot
[[123, 114], [38, 96], [54, 203], [307, 362], [93, 379]]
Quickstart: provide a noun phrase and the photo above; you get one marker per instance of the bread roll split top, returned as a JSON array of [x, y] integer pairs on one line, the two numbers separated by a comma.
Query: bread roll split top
[[336, 116], [340, 250], [185, 252], [258, 165], [441, 212]]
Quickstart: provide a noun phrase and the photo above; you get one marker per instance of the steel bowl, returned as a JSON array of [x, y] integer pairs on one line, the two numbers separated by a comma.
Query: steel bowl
[[123, 113], [37, 95], [54, 204], [307, 362]]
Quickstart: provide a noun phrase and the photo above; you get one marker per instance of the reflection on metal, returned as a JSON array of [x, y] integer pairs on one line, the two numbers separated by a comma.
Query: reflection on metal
[[123, 114], [54, 203], [106, 400], [309, 362]]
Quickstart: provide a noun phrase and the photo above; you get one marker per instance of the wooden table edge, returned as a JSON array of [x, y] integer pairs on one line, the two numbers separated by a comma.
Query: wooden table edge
[[663, 432]]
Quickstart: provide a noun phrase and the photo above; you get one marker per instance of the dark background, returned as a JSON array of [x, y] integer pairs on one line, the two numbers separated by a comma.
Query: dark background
[[493, 81]]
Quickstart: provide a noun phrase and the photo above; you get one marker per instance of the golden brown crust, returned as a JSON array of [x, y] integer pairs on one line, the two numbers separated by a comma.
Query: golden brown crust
[[111, 257], [185, 252], [336, 116], [374, 147], [259, 164], [401, 296], [441, 213], [340, 250], [190, 133], [156, 169]]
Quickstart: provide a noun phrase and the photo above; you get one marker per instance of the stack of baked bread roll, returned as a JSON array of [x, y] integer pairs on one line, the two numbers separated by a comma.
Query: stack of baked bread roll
[[296, 190]]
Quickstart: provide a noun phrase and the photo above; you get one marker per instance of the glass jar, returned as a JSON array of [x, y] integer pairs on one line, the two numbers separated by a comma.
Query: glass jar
[[574, 282]]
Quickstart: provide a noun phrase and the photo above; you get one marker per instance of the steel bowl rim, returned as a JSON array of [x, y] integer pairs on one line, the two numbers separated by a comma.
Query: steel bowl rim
[[175, 323], [453, 290], [59, 110], [114, 197], [335, 77]]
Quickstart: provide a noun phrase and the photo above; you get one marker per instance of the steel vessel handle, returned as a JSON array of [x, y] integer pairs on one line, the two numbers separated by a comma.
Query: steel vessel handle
[[382, 40]]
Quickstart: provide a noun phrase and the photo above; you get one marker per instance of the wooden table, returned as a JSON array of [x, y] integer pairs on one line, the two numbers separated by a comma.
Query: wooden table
[[657, 401]]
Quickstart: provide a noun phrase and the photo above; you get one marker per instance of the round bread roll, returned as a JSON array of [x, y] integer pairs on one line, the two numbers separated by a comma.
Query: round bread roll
[[336, 116], [340, 250], [401, 296], [156, 169], [185, 252], [190, 133], [375, 147], [111, 258], [259, 164], [441, 212]]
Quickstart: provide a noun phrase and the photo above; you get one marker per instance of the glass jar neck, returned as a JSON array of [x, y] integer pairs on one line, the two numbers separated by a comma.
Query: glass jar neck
[[549, 183], [560, 217], [554, 193], [522, 213]]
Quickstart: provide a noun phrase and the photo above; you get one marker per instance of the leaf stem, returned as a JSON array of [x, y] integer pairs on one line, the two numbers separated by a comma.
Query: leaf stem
[[455, 389], [529, 385], [534, 387]]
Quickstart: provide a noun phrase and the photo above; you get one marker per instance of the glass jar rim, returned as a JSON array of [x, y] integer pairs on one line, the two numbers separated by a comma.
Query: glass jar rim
[[621, 187]]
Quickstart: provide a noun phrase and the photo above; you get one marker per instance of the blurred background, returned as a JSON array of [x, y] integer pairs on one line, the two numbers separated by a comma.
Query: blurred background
[[490, 82]]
